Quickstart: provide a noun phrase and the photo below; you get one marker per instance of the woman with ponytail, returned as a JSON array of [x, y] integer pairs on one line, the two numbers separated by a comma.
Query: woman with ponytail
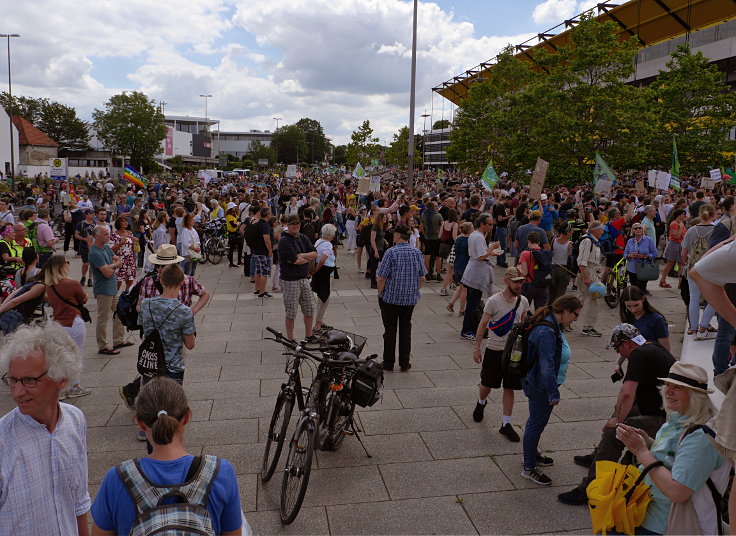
[[541, 385], [163, 413]]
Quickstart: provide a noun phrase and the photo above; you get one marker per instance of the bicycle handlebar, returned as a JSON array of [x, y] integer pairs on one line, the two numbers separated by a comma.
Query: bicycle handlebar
[[299, 349]]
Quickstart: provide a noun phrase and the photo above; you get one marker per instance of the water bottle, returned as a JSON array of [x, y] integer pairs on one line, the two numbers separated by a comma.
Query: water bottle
[[516, 351]]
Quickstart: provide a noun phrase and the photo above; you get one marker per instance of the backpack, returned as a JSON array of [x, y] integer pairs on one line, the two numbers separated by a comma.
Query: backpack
[[151, 352], [572, 260], [608, 239], [251, 234], [32, 235], [127, 308], [187, 517], [699, 247], [515, 357], [542, 267]]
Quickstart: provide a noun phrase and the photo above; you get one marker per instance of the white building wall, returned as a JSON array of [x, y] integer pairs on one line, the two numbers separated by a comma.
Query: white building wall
[[5, 143]]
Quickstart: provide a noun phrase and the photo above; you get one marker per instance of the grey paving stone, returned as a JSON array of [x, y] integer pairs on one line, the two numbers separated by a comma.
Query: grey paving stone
[[405, 380], [593, 387], [240, 431], [564, 472], [437, 515], [98, 415], [586, 409], [395, 448], [311, 521], [435, 397], [524, 512], [100, 462], [388, 401], [242, 408], [248, 485], [246, 458], [343, 485], [454, 378], [219, 390], [112, 438], [410, 420], [443, 477], [492, 416], [570, 435], [433, 362], [447, 444]]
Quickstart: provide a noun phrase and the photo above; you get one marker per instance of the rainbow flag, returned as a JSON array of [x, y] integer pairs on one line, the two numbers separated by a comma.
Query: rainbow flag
[[131, 175]]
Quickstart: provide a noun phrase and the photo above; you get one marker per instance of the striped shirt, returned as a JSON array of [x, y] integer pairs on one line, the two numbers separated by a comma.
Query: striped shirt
[[43, 476]]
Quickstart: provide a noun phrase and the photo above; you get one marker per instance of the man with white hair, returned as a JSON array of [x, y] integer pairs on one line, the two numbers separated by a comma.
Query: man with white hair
[[43, 465], [103, 264]]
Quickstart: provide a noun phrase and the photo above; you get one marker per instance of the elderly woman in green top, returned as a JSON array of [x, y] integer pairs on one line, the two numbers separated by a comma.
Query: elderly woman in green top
[[689, 457]]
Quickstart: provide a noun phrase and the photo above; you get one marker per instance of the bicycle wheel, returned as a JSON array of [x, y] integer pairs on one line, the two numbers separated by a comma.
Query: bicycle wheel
[[343, 408], [217, 251], [296, 474], [612, 291], [276, 434]]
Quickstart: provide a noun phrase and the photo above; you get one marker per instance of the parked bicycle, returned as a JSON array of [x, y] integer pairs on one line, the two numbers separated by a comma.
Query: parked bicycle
[[616, 282], [327, 407], [213, 238]]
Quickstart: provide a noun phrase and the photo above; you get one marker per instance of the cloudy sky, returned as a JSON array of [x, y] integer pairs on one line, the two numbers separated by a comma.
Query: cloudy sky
[[337, 61]]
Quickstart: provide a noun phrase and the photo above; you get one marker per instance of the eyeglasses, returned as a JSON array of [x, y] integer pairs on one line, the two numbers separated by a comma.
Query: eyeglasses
[[577, 315], [26, 382], [637, 228]]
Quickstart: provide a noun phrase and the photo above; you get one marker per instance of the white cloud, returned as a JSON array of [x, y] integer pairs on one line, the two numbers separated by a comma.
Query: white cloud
[[339, 62], [554, 11]]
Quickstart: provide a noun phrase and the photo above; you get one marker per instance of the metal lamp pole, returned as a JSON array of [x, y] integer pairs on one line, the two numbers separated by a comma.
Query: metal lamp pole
[[10, 121], [206, 119], [277, 119], [410, 167]]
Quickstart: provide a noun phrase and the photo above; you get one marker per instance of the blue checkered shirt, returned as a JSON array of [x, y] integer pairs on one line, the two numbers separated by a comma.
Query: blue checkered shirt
[[43, 476], [402, 266]]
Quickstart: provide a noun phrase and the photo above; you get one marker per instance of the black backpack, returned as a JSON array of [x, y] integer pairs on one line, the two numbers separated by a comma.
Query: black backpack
[[515, 357], [252, 234], [151, 352], [126, 309], [542, 267], [572, 260]]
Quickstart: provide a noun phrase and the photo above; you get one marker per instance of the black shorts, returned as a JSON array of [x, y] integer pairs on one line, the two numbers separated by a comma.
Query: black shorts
[[613, 258], [359, 241], [491, 372], [432, 246], [84, 253]]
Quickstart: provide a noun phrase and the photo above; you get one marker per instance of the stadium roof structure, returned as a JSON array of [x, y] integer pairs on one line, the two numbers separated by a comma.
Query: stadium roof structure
[[650, 21]]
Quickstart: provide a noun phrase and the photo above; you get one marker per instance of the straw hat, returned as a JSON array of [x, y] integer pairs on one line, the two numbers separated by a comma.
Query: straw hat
[[688, 375], [165, 254]]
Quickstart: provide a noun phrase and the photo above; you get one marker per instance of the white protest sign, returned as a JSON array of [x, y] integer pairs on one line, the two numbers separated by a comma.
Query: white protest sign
[[663, 180], [375, 184], [291, 171], [364, 186], [603, 186], [707, 183], [652, 178], [715, 174]]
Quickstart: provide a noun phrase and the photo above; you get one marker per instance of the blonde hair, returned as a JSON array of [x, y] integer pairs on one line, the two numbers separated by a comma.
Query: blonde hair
[[700, 409], [53, 270]]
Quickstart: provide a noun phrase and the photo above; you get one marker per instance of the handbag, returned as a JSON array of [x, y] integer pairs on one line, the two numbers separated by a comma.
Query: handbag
[[83, 311], [647, 271], [194, 256]]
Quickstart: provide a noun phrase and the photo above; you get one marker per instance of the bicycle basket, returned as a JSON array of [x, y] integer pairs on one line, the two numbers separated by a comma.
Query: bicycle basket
[[366, 387], [340, 340]]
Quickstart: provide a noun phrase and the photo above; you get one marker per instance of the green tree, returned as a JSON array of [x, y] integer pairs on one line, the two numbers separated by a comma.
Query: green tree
[[26, 107], [441, 123], [289, 144], [317, 143], [257, 150], [340, 155], [397, 154], [61, 124], [694, 104], [131, 125], [363, 146]]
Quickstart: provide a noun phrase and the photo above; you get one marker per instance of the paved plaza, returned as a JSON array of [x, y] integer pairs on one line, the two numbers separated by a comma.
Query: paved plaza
[[432, 471]]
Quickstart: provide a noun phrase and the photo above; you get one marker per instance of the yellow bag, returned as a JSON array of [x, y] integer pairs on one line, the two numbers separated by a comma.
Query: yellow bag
[[617, 499]]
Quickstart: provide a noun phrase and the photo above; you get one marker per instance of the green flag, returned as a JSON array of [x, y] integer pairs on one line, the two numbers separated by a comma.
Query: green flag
[[489, 177], [358, 172], [602, 171], [675, 171]]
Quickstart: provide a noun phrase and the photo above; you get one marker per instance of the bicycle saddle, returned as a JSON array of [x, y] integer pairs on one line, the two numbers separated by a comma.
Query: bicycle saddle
[[336, 338], [347, 356]]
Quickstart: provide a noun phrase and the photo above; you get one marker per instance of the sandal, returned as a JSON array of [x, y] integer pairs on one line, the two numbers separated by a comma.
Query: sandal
[[692, 331], [108, 351], [451, 307], [665, 285], [122, 345]]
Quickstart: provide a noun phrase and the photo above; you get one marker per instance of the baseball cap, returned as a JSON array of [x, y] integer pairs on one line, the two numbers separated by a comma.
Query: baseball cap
[[88, 211], [413, 207], [294, 218], [513, 274], [543, 197], [625, 332], [231, 205]]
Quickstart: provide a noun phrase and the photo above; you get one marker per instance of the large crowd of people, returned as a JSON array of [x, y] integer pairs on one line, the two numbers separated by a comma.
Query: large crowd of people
[[556, 254]]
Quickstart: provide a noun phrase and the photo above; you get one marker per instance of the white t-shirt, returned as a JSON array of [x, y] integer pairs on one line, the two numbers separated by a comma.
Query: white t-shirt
[[498, 307], [716, 267], [325, 248]]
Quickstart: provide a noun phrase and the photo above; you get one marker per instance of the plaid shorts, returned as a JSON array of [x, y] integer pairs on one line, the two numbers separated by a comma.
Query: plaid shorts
[[297, 292], [262, 265]]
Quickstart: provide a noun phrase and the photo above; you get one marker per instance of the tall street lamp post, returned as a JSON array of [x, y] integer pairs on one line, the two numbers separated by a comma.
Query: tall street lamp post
[[410, 167], [206, 118], [10, 121], [424, 116]]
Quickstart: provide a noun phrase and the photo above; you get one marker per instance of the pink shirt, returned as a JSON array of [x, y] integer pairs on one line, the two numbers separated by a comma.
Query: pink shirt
[[44, 234]]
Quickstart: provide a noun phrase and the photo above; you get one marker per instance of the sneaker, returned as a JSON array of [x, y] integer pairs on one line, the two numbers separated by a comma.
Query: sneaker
[[508, 431], [478, 411], [583, 461], [444, 292], [141, 436], [265, 295], [591, 332], [574, 497], [89, 282], [467, 336], [544, 461], [82, 281], [537, 476], [76, 391], [129, 401]]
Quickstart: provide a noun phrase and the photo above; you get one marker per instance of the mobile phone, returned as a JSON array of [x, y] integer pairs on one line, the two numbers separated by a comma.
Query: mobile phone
[[616, 376]]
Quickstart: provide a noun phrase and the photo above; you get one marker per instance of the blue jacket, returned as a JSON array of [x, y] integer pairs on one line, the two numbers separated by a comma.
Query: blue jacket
[[646, 247], [545, 354]]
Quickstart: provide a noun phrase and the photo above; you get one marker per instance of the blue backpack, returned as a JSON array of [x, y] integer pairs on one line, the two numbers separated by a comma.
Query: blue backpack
[[542, 267], [608, 239]]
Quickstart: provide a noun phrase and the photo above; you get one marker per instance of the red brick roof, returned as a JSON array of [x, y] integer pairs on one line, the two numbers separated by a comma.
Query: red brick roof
[[30, 135]]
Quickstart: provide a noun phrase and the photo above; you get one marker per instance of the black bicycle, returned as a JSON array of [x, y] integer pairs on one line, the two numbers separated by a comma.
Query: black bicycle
[[327, 408]]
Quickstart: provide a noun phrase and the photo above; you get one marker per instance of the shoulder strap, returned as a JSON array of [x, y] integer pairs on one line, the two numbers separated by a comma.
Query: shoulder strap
[[167, 316], [62, 298], [640, 478]]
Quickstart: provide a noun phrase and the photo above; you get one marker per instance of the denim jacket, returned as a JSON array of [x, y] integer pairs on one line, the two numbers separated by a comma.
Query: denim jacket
[[545, 352]]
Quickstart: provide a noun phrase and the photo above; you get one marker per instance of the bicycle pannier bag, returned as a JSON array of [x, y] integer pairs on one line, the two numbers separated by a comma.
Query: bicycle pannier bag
[[367, 385]]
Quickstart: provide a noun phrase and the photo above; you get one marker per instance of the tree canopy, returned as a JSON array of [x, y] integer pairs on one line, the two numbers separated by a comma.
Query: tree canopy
[[131, 125], [363, 146]]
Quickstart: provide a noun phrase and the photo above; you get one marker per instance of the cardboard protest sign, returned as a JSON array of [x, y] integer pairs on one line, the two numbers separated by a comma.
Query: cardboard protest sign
[[707, 183], [641, 190], [364, 186], [538, 177]]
